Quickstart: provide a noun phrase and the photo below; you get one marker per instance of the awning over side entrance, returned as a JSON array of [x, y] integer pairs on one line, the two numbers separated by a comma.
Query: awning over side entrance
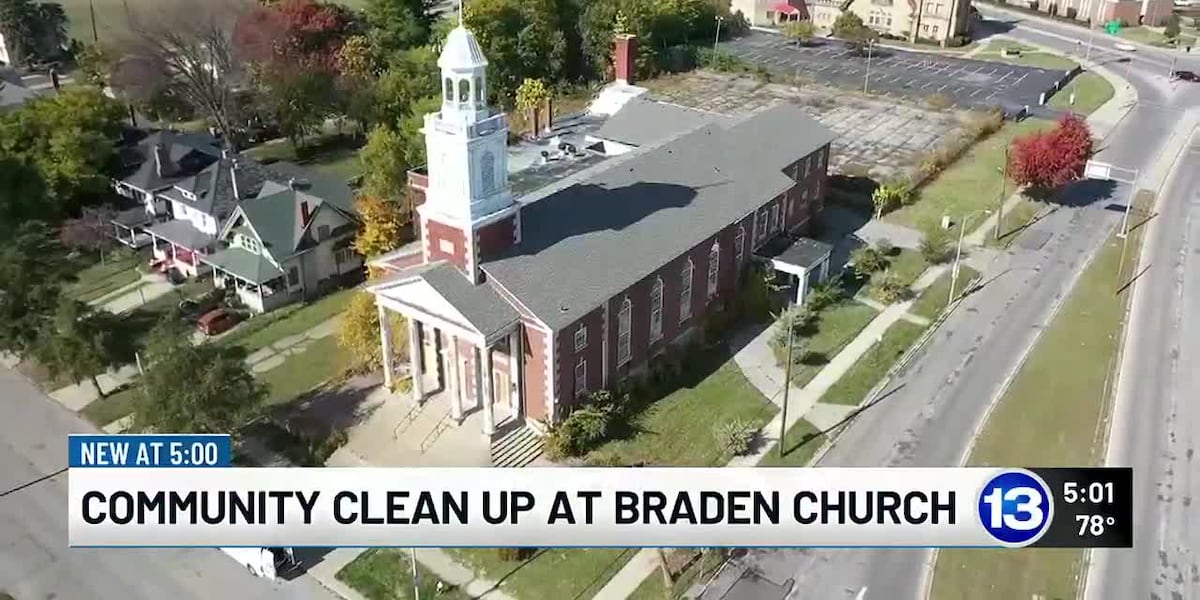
[[784, 8], [804, 255]]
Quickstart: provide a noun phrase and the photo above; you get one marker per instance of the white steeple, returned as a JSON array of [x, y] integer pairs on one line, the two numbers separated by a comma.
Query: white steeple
[[464, 77]]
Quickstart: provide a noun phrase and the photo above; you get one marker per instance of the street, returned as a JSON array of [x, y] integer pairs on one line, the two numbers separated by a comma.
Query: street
[[930, 412], [35, 561]]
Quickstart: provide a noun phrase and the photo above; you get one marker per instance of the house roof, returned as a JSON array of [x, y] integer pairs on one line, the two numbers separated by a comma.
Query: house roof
[[214, 186], [334, 190], [12, 94], [132, 217], [245, 264], [182, 233], [277, 221], [189, 153], [805, 253], [642, 122], [480, 305], [585, 242], [461, 51]]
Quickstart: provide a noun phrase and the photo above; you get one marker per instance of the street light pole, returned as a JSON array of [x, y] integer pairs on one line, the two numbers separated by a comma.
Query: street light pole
[[1003, 188], [412, 557], [717, 37], [867, 76], [962, 231]]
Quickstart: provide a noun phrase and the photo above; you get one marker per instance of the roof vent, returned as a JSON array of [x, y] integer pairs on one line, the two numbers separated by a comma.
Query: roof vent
[[563, 308], [298, 184]]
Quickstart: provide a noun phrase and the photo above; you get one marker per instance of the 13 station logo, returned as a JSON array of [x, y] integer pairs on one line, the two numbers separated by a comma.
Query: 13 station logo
[[1016, 508]]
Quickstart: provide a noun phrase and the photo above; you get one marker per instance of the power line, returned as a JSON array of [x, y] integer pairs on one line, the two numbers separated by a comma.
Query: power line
[[33, 482]]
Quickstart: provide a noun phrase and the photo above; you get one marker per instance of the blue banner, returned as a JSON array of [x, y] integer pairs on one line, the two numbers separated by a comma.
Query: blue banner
[[163, 451]]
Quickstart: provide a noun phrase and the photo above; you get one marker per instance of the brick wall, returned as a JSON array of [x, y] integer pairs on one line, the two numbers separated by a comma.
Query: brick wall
[[534, 377], [444, 242], [567, 357], [494, 238]]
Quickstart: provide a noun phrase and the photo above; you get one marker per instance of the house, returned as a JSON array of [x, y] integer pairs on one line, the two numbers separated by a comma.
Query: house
[[156, 161], [519, 306], [292, 242], [5, 54], [936, 20], [769, 12]]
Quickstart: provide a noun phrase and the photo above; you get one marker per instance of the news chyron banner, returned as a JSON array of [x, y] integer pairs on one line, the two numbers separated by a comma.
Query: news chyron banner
[[176, 490]]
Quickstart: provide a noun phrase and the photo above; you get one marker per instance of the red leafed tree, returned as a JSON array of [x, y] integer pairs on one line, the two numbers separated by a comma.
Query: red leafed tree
[[298, 33], [1048, 160]]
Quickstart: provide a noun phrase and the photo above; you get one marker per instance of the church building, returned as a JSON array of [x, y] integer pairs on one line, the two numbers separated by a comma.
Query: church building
[[519, 305]]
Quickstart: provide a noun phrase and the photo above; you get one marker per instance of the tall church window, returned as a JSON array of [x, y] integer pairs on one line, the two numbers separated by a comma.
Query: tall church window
[[685, 294], [714, 267], [624, 324], [656, 297], [487, 172], [739, 245], [449, 89], [464, 90]]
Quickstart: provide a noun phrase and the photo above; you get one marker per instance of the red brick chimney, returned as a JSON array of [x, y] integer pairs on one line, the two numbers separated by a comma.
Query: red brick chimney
[[624, 57]]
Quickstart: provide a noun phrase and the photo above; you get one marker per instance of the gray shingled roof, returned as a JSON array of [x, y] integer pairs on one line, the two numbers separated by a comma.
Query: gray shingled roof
[[334, 190], [182, 233], [13, 95], [214, 186], [276, 218], [486, 311], [245, 264], [804, 252], [642, 122], [584, 243], [189, 154]]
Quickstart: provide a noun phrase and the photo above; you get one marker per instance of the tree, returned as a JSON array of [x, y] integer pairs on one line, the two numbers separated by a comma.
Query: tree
[[80, 343], [33, 268], [22, 196], [800, 32], [359, 333], [385, 169], [95, 64], [1044, 161], [34, 31], [194, 388], [1171, 29], [300, 102], [849, 27], [410, 76], [522, 39], [293, 34], [888, 196], [531, 97], [398, 24], [385, 223], [92, 231], [188, 47]]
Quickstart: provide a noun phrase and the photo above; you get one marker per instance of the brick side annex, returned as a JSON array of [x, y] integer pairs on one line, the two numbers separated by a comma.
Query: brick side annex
[[526, 304]]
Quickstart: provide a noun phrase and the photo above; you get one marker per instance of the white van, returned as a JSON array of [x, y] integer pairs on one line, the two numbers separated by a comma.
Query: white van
[[264, 562]]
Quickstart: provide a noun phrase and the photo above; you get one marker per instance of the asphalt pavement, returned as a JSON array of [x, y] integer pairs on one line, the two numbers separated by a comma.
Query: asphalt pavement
[[929, 414], [35, 561]]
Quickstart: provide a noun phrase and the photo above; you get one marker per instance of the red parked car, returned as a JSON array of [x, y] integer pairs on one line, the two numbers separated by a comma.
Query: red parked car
[[216, 322]]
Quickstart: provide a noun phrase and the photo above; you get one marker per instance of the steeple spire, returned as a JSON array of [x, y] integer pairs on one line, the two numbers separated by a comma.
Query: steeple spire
[[460, 13]]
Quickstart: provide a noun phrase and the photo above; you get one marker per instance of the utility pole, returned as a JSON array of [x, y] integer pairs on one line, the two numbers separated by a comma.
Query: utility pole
[[92, 9], [962, 230], [867, 76], [412, 557], [1003, 188], [787, 385], [717, 37]]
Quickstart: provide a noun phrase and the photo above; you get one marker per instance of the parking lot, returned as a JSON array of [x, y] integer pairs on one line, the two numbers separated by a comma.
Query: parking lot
[[965, 82]]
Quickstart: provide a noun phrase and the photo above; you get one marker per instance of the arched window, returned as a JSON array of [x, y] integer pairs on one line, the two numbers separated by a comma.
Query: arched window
[[739, 246], [624, 323], [464, 90], [479, 90], [656, 295], [685, 292], [449, 89], [487, 172], [714, 267]]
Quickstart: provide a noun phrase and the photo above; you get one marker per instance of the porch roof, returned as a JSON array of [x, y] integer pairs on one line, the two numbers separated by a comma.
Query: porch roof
[[441, 291], [804, 253], [132, 217], [182, 233], [244, 265]]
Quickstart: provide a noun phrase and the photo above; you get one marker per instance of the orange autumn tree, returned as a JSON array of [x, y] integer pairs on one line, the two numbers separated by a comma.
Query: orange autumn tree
[[385, 224]]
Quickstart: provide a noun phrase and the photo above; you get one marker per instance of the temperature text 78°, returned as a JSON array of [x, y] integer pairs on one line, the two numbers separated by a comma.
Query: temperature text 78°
[[1093, 524]]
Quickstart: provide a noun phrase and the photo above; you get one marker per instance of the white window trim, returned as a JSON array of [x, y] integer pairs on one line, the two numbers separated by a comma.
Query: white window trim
[[656, 307], [625, 329], [714, 268], [739, 242], [685, 292], [446, 246], [580, 338], [581, 377]]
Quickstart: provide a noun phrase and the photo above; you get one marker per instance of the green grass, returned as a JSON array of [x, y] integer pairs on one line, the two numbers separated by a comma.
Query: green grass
[[169, 301], [551, 573], [970, 186], [1014, 222], [329, 154], [1153, 37], [934, 298], [103, 411], [907, 266], [317, 363], [286, 321], [1029, 57], [99, 279], [386, 574], [678, 429], [800, 443], [1091, 92], [698, 570], [851, 389], [836, 326], [1047, 419]]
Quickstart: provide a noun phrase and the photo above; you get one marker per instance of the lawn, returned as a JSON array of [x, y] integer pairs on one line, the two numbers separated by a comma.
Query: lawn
[[800, 443], [1047, 419], [102, 278], [574, 573], [836, 326], [321, 361], [935, 297], [295, 319], [677, 430], [1029, 57], [332, 155], [698, 569], [870, 369], [1091, 92], [386, 574], [970, 186], [103, 411], [1150, 36], [907, 266], [1014, 221]]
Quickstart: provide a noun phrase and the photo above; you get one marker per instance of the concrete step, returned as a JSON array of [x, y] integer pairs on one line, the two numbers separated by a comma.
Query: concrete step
[[518, 448]]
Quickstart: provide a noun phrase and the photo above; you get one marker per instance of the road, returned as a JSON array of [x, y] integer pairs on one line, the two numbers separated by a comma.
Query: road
[[35, 561], [931, 411]]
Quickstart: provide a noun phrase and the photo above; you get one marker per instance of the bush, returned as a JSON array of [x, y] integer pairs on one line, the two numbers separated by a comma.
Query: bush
[[826, 294], [721, 61], [515, 554], [797, 319], [885, 247], [866, 261], [985, 124], [890, 195], [936, 245], [1072, 12], [889, 289], [736, 437], [582, 430], [958, 41]]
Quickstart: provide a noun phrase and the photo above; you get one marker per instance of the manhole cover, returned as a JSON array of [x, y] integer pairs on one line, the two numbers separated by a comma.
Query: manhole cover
[[1034, 240]]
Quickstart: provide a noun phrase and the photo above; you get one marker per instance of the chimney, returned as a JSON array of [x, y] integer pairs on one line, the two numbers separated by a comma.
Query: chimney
[[292, 183], [305, 213], [624, 57], [162, 161]]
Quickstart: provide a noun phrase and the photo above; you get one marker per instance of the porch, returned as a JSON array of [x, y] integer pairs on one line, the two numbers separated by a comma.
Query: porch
[[803, 264], [180, 246], [258, 283], [128, 225]]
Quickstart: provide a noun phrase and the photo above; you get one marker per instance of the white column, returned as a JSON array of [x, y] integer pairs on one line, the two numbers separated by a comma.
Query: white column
[[453, 367], [487, 395], [385, 343], [414, 359], [515, 366], [801, 285]]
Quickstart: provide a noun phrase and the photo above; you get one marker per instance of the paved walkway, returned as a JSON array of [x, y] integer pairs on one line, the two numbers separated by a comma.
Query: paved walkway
[[133, 295]]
